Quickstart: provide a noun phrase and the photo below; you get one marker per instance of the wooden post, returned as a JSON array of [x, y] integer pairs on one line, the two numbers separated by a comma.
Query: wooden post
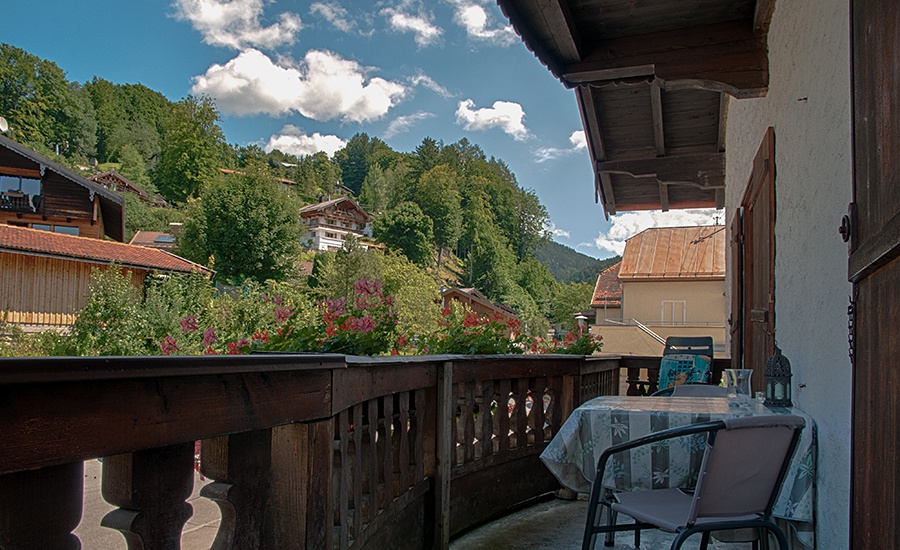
[[39, 509], [445, 445], [300, 500], [240, 464], [150, 488]]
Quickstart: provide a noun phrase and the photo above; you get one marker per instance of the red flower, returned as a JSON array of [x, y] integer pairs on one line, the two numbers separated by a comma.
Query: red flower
[[189, 324], [261, 336], [169, 345]]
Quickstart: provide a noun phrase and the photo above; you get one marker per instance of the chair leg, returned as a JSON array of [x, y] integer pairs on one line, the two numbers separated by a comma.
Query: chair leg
[[611, 517], [704, 540]]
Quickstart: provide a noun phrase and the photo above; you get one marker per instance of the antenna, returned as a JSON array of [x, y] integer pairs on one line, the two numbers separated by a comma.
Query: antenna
[[4, 126]]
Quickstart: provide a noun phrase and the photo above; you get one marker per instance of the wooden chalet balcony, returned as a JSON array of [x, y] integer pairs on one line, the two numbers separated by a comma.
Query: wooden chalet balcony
[[304, 451], [19, 202]]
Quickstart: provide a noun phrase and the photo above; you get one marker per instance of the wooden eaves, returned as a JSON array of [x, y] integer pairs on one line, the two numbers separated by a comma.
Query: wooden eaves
[[652, 82]]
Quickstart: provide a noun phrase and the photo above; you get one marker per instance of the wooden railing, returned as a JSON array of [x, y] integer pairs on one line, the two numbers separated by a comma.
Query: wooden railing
[[304, 451]]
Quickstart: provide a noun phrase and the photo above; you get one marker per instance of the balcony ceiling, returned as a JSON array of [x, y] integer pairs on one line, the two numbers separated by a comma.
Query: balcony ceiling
[[651, 77]]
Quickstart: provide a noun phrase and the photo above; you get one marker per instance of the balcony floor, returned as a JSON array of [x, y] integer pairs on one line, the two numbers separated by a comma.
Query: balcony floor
[[559, 524]]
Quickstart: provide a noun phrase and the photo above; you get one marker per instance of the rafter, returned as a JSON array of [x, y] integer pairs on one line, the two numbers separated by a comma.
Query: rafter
[[656, 112], [705, 171], [727, 57]]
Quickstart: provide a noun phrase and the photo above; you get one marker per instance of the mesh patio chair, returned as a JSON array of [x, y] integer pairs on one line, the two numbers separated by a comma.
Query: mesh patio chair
[[743, 466]]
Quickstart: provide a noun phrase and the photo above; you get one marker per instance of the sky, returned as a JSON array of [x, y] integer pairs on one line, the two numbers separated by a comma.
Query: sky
[[305, 76]]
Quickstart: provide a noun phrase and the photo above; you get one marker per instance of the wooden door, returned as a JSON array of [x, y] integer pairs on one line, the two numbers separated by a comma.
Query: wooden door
[[874, 268], [753, 251]]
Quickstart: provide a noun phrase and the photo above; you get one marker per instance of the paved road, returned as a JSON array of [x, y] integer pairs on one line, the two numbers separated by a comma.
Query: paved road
[[198, 533]]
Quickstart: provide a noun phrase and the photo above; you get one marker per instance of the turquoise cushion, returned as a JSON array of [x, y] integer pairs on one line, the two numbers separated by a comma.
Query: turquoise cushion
[[684, 368]]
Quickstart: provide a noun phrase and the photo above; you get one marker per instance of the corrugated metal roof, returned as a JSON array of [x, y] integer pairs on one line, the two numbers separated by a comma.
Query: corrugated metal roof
[[675, 253], [24, 240], [608, 290]]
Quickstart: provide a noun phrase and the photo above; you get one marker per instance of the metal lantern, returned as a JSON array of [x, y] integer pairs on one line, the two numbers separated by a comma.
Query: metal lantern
[[778, 380]]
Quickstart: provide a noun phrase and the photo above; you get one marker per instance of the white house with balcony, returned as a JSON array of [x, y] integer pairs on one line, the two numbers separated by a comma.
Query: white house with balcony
[[329, 223]]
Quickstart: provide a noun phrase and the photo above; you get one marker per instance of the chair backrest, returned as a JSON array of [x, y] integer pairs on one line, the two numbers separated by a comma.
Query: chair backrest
[[697, 345], [744, 466], [698, 390]]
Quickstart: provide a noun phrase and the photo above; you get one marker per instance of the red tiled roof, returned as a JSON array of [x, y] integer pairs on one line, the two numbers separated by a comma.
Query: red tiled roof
[[608, 290], [149, 239], [675, 253], [20, 239]]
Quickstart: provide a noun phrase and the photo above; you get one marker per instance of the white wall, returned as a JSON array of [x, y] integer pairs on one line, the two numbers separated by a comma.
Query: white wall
[[808, 104]]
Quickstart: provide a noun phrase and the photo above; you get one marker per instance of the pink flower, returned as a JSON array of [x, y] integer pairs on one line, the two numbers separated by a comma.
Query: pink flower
[[209, 336], [282, 314], [362, 325], [334, 307], [169, 345], [189, 324], [366, 286]]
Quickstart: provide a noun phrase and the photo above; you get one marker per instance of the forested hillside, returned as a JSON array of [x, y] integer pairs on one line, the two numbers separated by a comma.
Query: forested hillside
[[570, 266], [449, 209]]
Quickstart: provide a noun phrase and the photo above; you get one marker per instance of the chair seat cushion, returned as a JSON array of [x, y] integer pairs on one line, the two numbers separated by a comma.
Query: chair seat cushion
[[666, 508], [684, 368]]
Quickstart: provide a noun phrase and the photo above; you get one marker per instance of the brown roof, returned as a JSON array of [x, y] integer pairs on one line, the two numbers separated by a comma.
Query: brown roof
[[153, 239], [608, 290], [45, 243], [675, 253]]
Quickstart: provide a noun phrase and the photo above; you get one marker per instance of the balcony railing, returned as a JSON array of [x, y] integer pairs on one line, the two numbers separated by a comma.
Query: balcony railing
[[304, 451]]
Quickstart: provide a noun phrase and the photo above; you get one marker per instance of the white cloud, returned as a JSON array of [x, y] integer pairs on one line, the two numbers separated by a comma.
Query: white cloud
[[323, 87], [335, 14], [236, 24], [504, 115], [474, 18], [629, 224], [421, 79], [578, 140], [426, 32], [544, 154], [403, 124], [293, 141], [556, 231]]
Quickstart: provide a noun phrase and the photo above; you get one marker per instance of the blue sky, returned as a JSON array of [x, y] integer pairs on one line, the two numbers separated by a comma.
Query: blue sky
[[307, 76]]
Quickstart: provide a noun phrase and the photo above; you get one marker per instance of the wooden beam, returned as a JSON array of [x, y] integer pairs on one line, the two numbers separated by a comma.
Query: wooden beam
[[706, 171], [762, 16], [596, 148], [727, 57], [562, 28], [663, 197], [723, 118], [656, 111], [21, 172]]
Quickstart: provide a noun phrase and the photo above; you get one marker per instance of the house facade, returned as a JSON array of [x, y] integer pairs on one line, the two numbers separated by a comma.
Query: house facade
[[800, 98], [329, 223], [45, 277], [671, 282], [37, 193]]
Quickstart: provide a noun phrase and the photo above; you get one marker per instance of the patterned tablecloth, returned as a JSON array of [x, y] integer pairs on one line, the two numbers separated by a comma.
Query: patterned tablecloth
[[605, 421]]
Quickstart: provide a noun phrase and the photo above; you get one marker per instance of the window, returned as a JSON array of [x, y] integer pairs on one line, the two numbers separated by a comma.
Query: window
[[18, 184], [674, 312], [42, 226], [66, 229]]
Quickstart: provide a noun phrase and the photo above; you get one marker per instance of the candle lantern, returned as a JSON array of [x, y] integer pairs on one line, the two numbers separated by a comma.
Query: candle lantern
[[778, 380]]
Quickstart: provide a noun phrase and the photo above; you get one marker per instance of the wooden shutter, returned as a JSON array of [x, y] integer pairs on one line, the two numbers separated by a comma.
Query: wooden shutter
[[758, 263], [874, 268], [737, 289]]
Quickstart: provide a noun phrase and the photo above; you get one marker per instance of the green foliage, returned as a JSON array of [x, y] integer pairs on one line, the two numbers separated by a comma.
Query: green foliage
[[568, 299], [191, 151], [358, 155], [406, 229], [578, 341], [247, 223], [141, 216], [133, 168], [570, 266], [437, 194]]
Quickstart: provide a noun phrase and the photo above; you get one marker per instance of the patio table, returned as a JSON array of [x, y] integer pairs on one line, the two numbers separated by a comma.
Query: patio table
[[605, 421]]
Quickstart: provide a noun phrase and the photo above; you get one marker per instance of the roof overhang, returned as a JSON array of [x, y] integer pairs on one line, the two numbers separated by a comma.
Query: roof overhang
[[652, 83]]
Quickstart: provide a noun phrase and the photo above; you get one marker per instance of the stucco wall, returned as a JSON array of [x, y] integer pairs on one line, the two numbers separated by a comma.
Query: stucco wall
[[704, 300], [808, 104]]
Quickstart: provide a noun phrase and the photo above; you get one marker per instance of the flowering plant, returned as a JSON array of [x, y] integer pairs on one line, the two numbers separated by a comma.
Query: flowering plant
[[578, 341], [462, 331], [362, 325]]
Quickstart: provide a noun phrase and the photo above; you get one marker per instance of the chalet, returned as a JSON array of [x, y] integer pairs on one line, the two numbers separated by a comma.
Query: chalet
[[120, 184], [801, 97], [328, 223], [44, 276], [478, 302], [36, 192], [671, 282]]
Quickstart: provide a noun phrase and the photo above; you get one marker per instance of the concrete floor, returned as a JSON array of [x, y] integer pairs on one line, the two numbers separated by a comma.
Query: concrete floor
[[559, 524]]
